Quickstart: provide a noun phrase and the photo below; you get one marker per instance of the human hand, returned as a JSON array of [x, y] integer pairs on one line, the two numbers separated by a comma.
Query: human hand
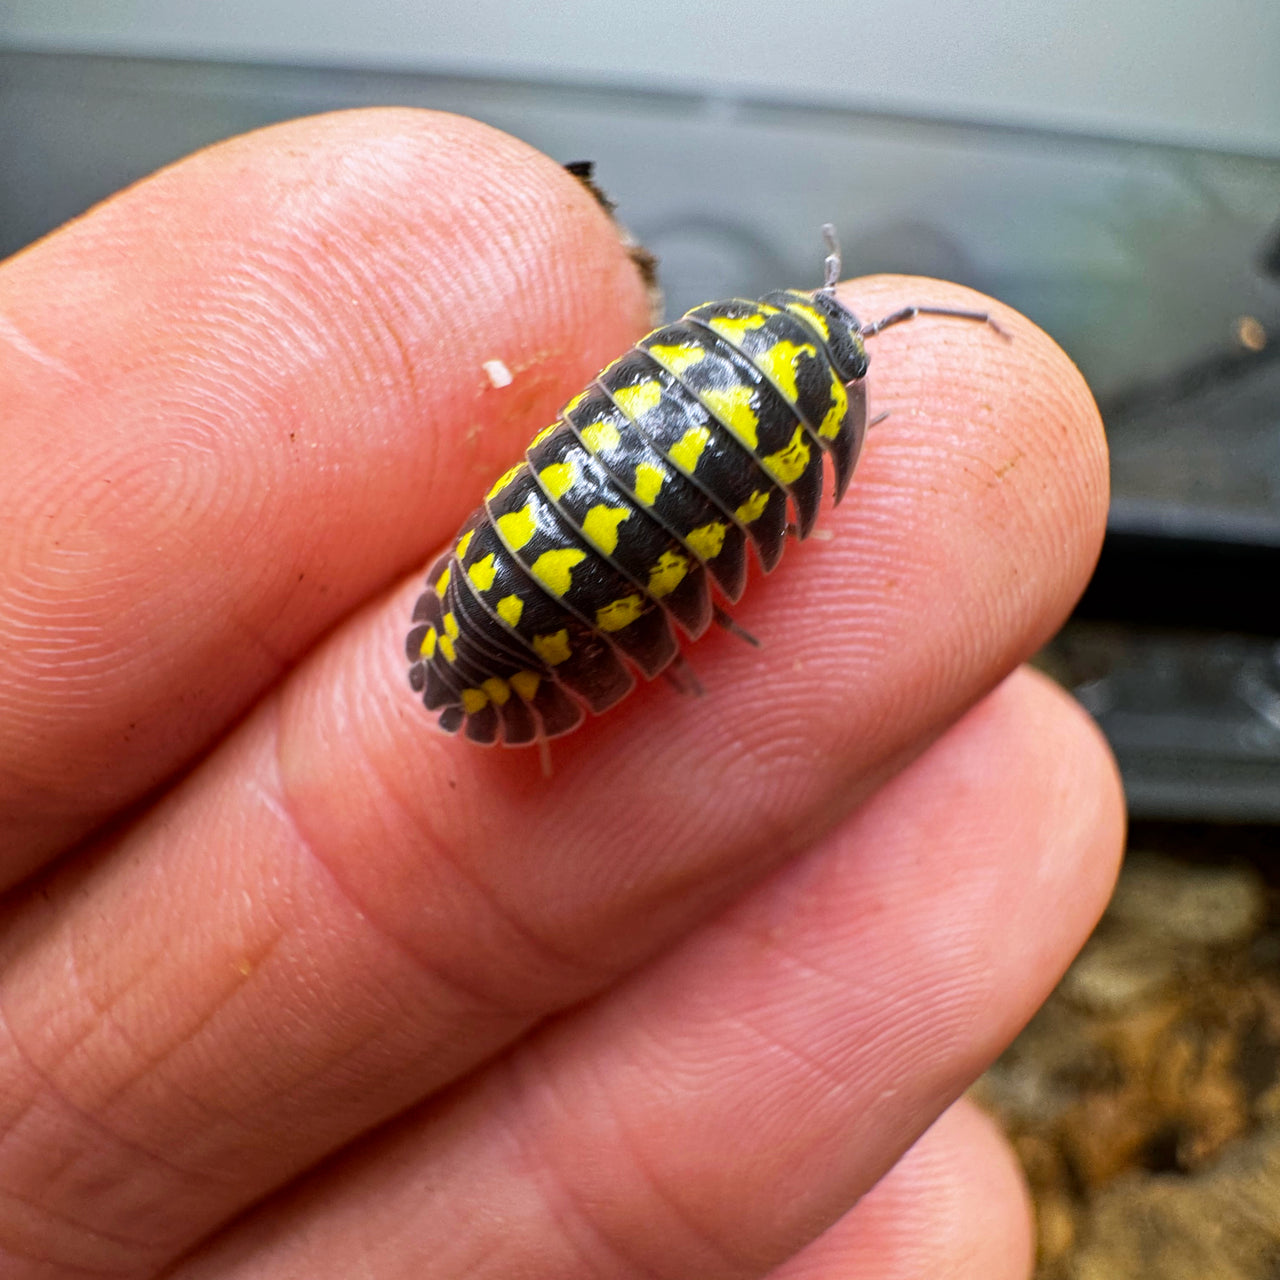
[[408, 1007]]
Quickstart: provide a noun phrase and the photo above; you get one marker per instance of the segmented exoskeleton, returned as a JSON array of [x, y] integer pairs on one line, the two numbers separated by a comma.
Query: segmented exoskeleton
[[588, 556]]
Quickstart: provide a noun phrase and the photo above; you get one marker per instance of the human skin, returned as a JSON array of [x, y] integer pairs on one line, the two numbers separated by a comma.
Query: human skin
[[291, 984]]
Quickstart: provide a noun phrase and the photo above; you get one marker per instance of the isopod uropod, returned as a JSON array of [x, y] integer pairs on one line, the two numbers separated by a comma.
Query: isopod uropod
[[609, 536]]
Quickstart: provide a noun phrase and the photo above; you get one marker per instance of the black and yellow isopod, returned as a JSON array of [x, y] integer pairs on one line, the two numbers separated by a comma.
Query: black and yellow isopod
[[637, 505]]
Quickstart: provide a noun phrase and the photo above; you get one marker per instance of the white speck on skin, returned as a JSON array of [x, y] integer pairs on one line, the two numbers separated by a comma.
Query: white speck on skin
[[499, 374]]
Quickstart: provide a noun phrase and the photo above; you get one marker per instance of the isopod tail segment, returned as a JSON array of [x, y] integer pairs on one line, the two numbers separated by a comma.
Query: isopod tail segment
[[632, 512]]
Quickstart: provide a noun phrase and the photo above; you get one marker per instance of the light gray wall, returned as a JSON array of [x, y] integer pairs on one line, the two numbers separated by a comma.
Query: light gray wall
[[1204, 72]]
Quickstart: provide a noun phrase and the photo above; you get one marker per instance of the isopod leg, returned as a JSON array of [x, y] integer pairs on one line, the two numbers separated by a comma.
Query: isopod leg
[[681, 676], [722, 619]]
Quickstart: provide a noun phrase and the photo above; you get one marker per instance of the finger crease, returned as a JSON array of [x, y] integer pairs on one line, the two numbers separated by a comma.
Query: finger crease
[[282, 804]]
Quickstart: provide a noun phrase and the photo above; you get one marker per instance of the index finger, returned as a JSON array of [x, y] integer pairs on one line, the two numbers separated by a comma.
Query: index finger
[[342, 910], [244, 395]]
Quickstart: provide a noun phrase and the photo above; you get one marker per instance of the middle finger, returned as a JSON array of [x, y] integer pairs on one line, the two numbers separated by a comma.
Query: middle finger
[[711, 1114]]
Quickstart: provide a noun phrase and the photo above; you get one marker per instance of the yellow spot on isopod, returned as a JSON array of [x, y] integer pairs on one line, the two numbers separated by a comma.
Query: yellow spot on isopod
[[557, 479], [601, 437], [619, 613], [667, 574], [554, 569], [526, 683], [509, 609], [464, 543], [754, 507], [735, 328], [553, 649], [574, 403], [474, 700], [450, 635], [517, 527], [790, 461], [482, 573], [639, 399], [442, 582], [600, 525], [835, 416], [813, 316], [686, 452], [427, 648], [676, 356], [779, 363], [706, 540], [498, 690], [648, 485], [732, 406], [503, 480], [546, 431]]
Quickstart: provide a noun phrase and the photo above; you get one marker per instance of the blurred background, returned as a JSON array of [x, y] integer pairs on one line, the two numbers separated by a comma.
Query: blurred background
[[1113, 170]]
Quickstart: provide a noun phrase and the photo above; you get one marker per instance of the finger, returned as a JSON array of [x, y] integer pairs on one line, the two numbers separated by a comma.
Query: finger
[[244, 395], [725, 1106], [395, 906], [955, 1205]]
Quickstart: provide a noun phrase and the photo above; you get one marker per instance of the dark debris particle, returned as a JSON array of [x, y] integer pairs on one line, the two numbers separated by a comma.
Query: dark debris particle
[[645, 262], [584, 171]]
